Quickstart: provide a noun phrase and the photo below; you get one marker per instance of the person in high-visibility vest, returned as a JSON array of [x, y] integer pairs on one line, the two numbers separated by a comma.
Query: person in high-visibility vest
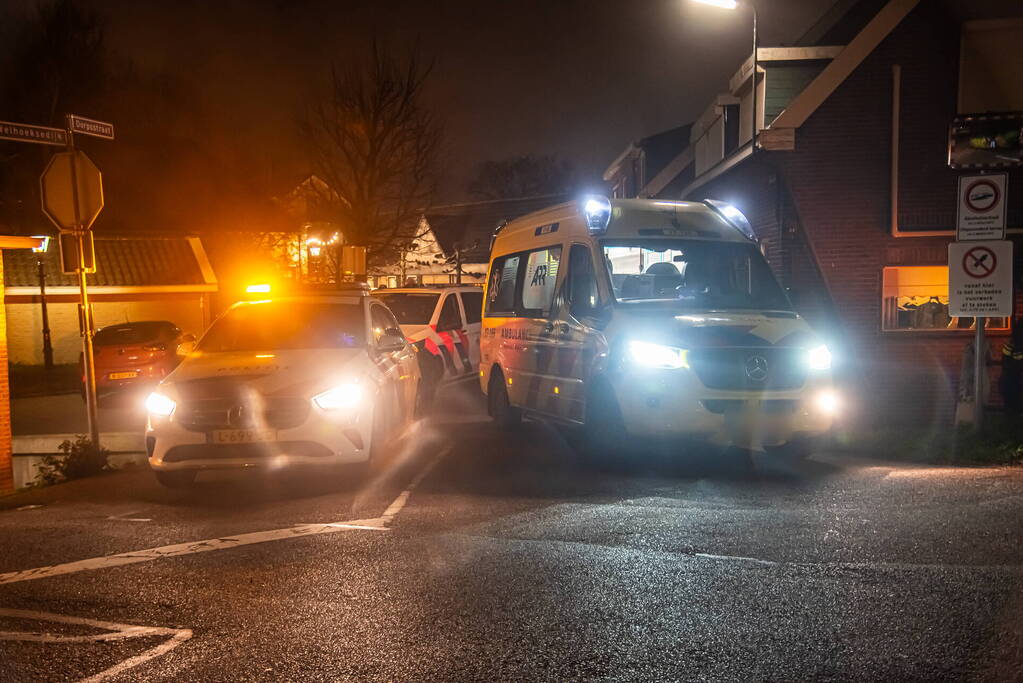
[[1011, 382]]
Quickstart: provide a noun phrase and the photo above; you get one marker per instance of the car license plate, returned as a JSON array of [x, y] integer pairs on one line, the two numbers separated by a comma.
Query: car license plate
[[124, 375], [244, 435]]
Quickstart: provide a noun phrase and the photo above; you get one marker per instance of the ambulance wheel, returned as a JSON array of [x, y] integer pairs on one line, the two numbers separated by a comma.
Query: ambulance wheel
[[604, 437], [177, 479], [793, 451], [505, 415]]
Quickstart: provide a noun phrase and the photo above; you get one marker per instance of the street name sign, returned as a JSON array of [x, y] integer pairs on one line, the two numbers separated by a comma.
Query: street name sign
[[99, 129], [22, 132], [980, 279], [59, 193], [982, 207]]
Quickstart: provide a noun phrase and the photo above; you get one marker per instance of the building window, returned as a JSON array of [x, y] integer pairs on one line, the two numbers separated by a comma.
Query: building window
[[989, 67], [915, 299]]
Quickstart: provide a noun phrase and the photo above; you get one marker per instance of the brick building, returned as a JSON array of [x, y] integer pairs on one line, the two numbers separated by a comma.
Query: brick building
[[850, 188], [6, 469]]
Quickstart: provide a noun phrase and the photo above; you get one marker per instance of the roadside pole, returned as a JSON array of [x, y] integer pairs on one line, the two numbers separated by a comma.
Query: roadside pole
[[41, 268], [980, 281], [85, 311], [979, 372]]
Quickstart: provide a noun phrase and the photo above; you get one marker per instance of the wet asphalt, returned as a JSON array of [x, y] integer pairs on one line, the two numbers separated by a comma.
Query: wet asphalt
[[515, 560]]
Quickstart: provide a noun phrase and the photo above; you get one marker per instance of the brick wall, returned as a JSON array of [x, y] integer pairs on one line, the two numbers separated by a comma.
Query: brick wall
[[838, 182], [6, 468]]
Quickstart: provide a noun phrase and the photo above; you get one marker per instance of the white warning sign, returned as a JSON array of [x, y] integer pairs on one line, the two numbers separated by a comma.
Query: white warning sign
[[980, 279]]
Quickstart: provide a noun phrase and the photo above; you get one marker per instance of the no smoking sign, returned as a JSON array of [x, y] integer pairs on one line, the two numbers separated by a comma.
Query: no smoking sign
[[980, 279]]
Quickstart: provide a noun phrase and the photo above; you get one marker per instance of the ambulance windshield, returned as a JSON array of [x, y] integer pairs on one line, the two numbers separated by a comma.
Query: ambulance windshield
[[694, 274]]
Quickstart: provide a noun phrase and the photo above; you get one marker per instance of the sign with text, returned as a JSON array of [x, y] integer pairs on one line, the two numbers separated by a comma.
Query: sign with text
[[982, 207], [980, 279], [99, 129], [23, 132]]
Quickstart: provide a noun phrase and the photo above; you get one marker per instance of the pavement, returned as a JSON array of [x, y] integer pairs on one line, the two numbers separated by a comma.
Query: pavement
[[484, 555]]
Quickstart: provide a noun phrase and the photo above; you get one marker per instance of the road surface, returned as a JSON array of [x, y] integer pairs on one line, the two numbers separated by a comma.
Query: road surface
[[481, 555]]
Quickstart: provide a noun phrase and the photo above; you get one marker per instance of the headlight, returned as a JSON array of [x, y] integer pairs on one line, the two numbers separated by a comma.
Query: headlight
[[657, 355], [828, 402], [340, 397], [819, 358], [160, 405]]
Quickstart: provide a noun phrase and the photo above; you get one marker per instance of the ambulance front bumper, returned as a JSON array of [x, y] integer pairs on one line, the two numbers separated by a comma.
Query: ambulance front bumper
[[660, 408]]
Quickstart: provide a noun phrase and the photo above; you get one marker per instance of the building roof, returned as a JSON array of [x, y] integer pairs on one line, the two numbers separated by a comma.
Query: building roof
[[120, 262], [472, 225]]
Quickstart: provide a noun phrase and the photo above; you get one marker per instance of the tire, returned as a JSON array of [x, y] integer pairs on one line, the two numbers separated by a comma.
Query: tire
[[177, 479], [504, 414], [604, 438], [796, 450]]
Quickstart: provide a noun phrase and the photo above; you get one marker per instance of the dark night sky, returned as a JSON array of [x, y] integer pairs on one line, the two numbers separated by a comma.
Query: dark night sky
[[578, 78]]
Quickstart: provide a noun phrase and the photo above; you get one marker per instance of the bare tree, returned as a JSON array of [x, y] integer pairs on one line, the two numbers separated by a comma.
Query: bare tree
[[522, 176], [375, 145]]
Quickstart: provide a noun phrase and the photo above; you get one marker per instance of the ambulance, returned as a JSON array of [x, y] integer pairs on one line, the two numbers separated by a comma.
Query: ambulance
[[635, 319]]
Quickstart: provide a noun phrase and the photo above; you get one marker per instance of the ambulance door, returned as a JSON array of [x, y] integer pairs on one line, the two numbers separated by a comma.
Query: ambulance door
[[542, 267], [578, 340], [472, 308]]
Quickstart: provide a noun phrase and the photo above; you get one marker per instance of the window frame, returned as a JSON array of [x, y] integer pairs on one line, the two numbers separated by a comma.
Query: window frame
[[518, 308], [466, 308], [954, 331], [568, 295], [453, 297]]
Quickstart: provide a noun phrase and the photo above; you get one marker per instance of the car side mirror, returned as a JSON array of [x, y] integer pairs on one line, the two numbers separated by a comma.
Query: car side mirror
[[186, 346], [391, 340]]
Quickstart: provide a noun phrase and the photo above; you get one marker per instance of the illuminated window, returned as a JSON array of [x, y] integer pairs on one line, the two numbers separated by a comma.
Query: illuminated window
[[915, 299]]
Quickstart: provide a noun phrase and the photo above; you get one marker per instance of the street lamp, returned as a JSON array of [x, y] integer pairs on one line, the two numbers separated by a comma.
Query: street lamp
[[40, 253], [732, 4]]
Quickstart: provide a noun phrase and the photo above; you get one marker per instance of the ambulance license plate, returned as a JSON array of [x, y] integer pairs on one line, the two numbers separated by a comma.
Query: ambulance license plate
[[244, 435], [124, 375]]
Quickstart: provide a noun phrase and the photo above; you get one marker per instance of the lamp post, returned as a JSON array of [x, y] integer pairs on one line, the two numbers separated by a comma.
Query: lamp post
[[40, 253], [732, 4]]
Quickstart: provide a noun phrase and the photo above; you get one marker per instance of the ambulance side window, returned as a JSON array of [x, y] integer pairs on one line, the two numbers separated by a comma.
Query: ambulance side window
[[583, 297], [538, 284], [501, 289], [450, 318]]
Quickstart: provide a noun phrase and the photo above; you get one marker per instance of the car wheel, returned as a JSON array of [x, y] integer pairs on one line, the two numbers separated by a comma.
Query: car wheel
[[178, 479], [505, 415]]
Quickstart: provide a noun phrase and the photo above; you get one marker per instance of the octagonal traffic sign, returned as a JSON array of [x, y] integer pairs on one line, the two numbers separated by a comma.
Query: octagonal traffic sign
[[58, 190]]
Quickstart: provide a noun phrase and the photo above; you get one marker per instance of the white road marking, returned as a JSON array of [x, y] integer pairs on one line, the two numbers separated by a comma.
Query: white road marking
[[131, 519], [111, 631], [735, 558], [208, 545]]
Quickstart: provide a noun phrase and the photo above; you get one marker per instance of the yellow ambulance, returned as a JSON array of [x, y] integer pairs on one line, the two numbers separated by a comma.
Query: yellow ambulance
[[635, 318]]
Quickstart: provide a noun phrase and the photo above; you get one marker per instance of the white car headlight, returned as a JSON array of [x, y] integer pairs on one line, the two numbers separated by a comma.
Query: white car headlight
[[652, 355], [160, 405], [819, 358], [340, 397]]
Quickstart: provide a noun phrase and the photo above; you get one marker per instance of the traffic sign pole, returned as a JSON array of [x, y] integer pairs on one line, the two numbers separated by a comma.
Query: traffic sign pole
[[86, 317]]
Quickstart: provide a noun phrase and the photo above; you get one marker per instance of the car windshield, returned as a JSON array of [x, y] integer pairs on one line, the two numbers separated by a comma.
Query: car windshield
[[284, 325], [130, 333], [695, 274], [411, 309]]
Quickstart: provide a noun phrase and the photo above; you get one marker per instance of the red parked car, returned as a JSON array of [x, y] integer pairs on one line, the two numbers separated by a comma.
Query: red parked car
[[134, 355]]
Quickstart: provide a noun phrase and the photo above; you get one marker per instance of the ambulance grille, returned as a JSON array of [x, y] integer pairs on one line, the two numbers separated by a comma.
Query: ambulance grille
[[749, 369]]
